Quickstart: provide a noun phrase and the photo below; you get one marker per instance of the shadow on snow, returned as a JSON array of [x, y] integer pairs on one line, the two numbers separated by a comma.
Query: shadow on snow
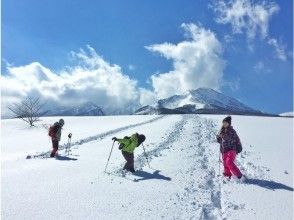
[[59, 157], [268, 184], [147, 176]]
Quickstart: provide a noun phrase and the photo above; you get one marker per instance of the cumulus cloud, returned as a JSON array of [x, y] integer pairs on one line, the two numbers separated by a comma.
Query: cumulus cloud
[[91, 79], [197, 62], [147, 97], [245, 16]]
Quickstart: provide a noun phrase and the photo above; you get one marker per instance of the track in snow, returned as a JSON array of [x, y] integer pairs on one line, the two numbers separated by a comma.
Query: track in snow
[[96, 137], [190, 139], [171, 136]]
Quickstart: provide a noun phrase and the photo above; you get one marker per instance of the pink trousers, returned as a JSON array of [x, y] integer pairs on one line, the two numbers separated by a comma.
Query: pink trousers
[[230, 167]]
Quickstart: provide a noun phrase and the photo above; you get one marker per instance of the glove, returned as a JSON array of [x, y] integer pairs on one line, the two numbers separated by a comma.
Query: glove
[[114, 139]]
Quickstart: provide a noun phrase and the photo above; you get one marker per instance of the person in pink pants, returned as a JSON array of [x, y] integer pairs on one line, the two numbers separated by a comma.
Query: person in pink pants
[[230, 145], [230, 167]]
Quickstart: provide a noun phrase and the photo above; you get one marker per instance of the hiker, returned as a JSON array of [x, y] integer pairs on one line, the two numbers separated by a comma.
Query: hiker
[[127, 147], [230, 146], [55, 134]]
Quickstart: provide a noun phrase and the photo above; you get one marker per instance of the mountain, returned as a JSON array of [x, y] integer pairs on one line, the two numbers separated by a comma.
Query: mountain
[[86, 109], [287, 114], [201, 101]]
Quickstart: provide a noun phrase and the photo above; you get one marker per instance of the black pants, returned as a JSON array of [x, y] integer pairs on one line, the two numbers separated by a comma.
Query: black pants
[[55, 147], [129, 157]]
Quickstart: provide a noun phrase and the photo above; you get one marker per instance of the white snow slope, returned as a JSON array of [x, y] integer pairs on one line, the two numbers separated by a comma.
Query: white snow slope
[[287, 114], [182, 183]]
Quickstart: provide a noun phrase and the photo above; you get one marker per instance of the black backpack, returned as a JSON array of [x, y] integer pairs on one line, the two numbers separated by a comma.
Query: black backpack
[[53, 130]]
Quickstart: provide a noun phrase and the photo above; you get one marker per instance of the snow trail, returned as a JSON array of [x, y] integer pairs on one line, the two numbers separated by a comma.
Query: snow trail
[[96, 137], [200, 133], [189, 139], [171, 136]]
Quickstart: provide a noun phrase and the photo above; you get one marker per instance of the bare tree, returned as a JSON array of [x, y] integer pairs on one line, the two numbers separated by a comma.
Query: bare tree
[[28, 110]]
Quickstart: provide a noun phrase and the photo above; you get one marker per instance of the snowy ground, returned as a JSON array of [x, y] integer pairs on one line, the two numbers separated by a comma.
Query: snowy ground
[[182, 183]]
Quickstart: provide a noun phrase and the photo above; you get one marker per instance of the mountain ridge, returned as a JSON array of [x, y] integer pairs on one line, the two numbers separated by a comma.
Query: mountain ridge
[[85, 109], [199, 101]]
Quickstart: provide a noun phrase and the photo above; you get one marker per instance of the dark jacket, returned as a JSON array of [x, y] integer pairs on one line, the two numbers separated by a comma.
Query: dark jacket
[[228, 139], [58, 128]]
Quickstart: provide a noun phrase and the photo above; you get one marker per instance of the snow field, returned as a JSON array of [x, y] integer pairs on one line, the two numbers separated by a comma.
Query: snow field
[[182, 183]]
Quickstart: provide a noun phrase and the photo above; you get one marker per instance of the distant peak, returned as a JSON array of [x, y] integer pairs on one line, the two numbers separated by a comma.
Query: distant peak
[[200, 90]]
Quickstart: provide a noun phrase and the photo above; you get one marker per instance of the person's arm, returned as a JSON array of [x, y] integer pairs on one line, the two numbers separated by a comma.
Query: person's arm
[[124, 141], [218, 138], [58, 133], [237, 139]]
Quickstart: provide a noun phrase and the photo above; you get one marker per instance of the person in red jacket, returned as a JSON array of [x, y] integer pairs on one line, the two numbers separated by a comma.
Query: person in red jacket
[[55, 134], [230, 145]]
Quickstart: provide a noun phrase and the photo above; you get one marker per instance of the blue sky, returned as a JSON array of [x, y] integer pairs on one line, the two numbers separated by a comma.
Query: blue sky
[[257, 70]]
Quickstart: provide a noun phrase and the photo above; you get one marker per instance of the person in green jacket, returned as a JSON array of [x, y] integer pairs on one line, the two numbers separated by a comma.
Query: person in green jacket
[[127, 147]]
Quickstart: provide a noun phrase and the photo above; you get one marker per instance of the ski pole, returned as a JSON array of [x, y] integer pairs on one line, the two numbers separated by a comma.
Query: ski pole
[[146, 155], [219, 160], [109, 157], [67, 149]]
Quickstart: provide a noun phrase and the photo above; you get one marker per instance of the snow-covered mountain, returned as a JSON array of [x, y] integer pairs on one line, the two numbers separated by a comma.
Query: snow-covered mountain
[[86, 109], [202, 100], [287, 114]]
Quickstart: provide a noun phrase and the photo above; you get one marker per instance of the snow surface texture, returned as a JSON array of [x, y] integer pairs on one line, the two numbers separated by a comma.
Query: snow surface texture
[[182, 183]]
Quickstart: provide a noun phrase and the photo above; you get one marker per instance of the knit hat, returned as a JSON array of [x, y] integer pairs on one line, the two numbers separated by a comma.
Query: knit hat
[[141, 139], [228, 119], [61, 122]]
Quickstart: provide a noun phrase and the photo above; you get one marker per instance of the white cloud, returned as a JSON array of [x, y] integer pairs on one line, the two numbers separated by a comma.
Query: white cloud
[[147, 97], [228, 38], [279, 48], [234, 85], [197, 62], [131, 67], [250, 18], [92, 79], [260, 67], [245, 16]]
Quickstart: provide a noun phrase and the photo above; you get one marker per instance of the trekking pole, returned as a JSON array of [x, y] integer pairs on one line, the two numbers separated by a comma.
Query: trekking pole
[[109, 157], [67, 149], [146, 155], [219, 164]]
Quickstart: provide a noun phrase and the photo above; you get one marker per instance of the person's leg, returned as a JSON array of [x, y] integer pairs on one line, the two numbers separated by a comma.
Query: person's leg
[[131, 162], [55, 148], [125, 156], [227, 171], [231, 164]]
